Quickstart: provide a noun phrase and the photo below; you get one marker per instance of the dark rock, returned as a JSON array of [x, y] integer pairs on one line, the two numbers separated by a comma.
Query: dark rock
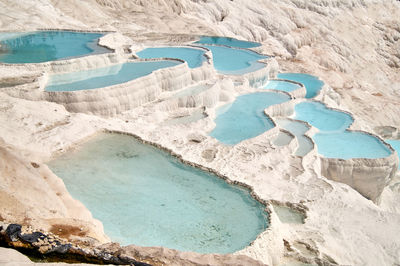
[[13, 231], [35, 165], [32, 238], [60, 249]]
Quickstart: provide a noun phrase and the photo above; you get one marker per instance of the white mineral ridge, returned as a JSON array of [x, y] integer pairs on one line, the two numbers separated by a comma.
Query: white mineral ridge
[[354, 46]]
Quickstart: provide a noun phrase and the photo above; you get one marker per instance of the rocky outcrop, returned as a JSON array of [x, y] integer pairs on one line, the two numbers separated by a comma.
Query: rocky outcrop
[[49, 246]]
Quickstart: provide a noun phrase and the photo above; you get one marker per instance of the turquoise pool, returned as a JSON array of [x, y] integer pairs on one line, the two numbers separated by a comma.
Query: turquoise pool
[[245, 117], [321, 117], [347, 145], [313, 84], [194, 57], [103, 77], [395, 145], [281, 85], [232, 61], [42, 46], [146, 197], [227, 41]]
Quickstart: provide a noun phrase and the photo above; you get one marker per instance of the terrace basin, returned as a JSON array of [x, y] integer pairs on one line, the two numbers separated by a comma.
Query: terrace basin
[[194, 57], [146, 197], [106, 76], [281, 85], [245, 117], [313, 84], [232, 61], [348, 145], [298, 129], [226, 41], [321, 117], [43, 46]]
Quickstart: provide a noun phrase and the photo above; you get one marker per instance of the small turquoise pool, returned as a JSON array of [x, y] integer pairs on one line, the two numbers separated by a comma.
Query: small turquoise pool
[[321, 117], [395, 145], [298, 129], [235, 61], [103, 77], [281, 85], [227, 41], [245, 117], [42, 46], [146, 197], [313, 84], [194, 57], [347, 145]]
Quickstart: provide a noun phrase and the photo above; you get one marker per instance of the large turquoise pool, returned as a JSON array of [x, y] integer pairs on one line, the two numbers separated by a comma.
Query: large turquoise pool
[[103, 77], [245, 117], [42, 46], [313, 84], [146, 197], [194, 57], [227, 42], [235, 61], [321, 117]]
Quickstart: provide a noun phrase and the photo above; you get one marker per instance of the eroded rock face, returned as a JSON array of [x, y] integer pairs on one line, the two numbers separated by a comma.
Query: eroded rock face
[[367, 176]]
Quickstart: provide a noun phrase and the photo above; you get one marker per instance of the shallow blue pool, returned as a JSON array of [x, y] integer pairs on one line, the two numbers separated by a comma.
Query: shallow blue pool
[[146, 197], [227, 41], [245, 117], [194, 57], [235, 61], [347, 145], [395, 145], [298, 129], [281, 85], [42, 46], [321, 117], [313, 84], [103, 77]]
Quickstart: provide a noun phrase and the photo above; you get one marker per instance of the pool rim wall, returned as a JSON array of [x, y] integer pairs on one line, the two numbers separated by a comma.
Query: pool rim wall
[[297, 93], [208, 59]]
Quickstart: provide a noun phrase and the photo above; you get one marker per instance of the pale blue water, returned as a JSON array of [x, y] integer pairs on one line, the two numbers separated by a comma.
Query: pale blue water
[[321, 117], [298, 129], [42, 46], [146, 197], [395, 145], [228, 42], [245, 117], [313, 84], [235, 61], [347, 145], [106, 76], [288, 215], [282, 139], [281, 85], [194, 57]]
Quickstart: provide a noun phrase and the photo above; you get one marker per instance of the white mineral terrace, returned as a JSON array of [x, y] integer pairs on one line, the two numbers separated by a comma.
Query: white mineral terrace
[[345, 212]]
